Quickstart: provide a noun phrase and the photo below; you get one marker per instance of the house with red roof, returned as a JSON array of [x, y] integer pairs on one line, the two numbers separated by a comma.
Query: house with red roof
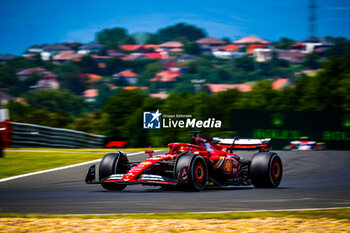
[[90, 95], [280, 83], [26, 73], [251, 40], [252, 47], [166, 76], [131, 47], [171, 47], [128, 76], [215, 88], [228, 51], [154, 55], [90, 78], [65, 56], [160, 95], [131, 88]]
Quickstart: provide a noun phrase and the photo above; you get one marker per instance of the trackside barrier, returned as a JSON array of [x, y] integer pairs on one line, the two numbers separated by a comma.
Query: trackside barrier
[[30, 135]]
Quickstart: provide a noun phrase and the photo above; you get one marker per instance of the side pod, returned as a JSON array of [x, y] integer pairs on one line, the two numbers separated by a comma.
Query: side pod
[[91, 175]]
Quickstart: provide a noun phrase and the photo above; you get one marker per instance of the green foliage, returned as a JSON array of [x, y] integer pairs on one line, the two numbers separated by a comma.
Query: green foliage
[[148, 73], [129, 40], [192, 48], [180, 30], [226, 39], [312, 61], [88, 123], [111, 38], [55, 101], [246, 63], [88, 65], [152, 39], [340, 49], [118, 109], [284, 43]]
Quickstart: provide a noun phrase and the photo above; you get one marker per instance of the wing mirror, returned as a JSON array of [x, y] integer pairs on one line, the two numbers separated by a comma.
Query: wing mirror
[[150, 152]]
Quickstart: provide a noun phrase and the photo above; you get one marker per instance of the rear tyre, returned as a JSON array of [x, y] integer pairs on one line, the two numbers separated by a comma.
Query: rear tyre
[[112, 163], [191, 172], [266, 170]]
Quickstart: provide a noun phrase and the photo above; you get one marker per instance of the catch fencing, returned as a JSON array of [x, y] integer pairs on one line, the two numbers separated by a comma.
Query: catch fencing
[[15, 134]]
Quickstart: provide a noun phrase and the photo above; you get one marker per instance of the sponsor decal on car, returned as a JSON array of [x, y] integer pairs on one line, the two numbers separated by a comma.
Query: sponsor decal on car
[[228, 166]]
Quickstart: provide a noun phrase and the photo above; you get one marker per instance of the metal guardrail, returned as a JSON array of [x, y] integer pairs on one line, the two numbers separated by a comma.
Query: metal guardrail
[[31, 135]]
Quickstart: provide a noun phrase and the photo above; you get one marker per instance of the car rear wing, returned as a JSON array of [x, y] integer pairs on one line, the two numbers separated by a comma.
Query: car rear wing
[[242, 143]]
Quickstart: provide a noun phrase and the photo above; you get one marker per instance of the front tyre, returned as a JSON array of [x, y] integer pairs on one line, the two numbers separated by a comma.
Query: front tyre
[[266, 170], [112, 163], [191, 172]]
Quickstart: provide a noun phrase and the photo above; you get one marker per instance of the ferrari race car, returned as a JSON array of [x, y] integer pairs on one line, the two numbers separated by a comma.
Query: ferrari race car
[[192, 166]]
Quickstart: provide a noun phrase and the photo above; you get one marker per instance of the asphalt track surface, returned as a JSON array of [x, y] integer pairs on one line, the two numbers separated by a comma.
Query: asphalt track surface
[[312, 179]]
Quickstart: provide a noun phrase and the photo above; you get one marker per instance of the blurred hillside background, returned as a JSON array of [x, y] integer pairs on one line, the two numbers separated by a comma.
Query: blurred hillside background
[[102, 86]]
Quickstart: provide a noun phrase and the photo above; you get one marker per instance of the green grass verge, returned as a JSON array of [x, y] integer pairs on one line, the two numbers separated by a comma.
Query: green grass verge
[[341, 213], [18, 162]]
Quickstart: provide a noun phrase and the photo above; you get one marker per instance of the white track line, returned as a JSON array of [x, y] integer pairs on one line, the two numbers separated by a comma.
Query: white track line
[[62, 168], [220, 212]]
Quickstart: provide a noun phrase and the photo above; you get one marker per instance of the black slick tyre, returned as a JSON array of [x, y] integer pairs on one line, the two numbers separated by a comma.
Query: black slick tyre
[[191, 172], [266, 170], [112, 163]]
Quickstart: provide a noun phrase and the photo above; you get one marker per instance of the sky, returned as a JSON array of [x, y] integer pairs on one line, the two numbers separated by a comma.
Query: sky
[[27, 22]]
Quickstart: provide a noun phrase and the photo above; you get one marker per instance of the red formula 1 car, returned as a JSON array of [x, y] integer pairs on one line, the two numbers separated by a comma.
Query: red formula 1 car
[[190, 166]]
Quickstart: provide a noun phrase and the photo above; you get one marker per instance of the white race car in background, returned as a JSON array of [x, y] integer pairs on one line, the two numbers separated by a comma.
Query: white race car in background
[[304, 144]]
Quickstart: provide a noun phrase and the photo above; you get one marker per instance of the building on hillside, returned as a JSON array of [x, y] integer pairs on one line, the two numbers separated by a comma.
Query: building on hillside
[[251, 40], [91, 48], [48, 82], [280, 83], [131, 88], [34, 50], [132, 48], [26, 73], [160, 95], [90, 78], [186, 58], [215, 88], [207, 44], [228, 51], [293, 56], [251, 47], [126, 76], [48, 51], [115, 53], [171, 45], [65, 56], [90, 95], [4, 58], [5, 98]]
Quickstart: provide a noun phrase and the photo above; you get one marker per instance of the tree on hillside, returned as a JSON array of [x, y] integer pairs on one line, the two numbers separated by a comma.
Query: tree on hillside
[[88, 65], [111, 38], [192, 48], [340, 49], [187, 31], [119, 109], [148, 73], [284, 43], [129, 40], [312, 61], [55, 101]]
